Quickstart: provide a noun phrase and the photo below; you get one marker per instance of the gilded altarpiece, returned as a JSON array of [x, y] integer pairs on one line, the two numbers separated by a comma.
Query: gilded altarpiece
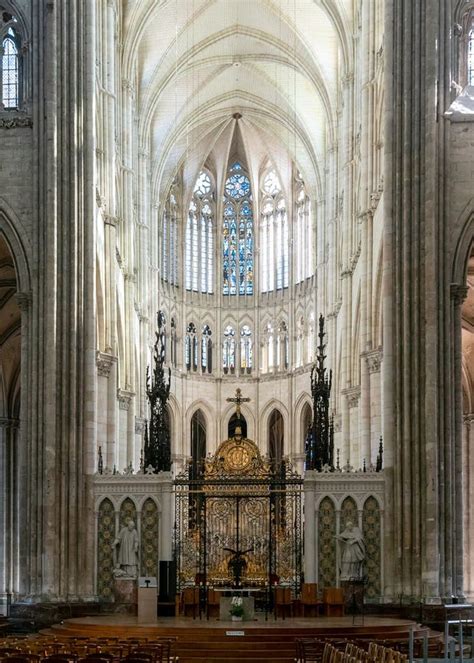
[[239, 522]]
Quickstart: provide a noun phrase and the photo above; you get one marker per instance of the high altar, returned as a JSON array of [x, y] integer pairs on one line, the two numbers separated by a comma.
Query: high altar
[[239, 520]]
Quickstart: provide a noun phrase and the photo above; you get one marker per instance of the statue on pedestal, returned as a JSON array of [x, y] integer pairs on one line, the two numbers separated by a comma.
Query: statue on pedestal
[[353, 553], [126, 561]]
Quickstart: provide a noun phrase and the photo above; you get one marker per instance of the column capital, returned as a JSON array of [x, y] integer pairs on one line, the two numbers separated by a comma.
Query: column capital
[[352, 394], [104, 363], [124, 398], [374, 360], [458, 293]]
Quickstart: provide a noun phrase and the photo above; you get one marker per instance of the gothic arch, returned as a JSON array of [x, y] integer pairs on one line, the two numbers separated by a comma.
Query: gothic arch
[[249, 417], [465, 241], [209, 417], [301, 404], [265, 414], [16, 238]]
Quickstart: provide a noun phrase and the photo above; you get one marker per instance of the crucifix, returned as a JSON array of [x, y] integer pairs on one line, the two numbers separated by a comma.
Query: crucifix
[[238, 400]]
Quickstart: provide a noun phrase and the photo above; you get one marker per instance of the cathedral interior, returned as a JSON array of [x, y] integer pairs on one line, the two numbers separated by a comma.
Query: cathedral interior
[[209, 211]]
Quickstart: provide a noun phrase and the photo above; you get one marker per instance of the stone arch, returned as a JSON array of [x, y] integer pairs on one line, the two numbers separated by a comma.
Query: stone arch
[[299, 430], [249, 417], [209, 417]]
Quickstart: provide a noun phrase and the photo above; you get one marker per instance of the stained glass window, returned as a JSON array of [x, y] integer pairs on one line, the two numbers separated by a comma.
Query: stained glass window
[[199, 247], [237, 231], [10, 74], [274, 240], [246, 348], [228, 350], [10, 63]]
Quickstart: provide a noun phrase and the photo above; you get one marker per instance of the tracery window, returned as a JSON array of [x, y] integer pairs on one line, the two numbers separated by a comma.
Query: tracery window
[[199, 249], [246, 349], [169, 238], [274, 253], [191, 348], [174, 343], [206, 350], [470, 53], [237, 229], [283, 346], [10, 61], [228, 350], [303, 239]]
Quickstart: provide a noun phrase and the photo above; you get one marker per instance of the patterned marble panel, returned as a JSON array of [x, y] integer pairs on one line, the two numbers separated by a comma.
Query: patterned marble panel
[[327, 543], [127, 511], [149, 542], [105, 557], [371, 532], [349, 513]]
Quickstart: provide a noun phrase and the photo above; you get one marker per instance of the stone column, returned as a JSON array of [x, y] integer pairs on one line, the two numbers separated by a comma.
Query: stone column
[[468, 515], [9, 517], [373, 361]]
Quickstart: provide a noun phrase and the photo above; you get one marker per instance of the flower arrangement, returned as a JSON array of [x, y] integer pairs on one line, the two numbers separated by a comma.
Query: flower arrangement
[[236, 607]]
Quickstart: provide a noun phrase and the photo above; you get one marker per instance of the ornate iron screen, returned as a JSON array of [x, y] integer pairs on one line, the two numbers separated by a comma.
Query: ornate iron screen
[[238, 522]]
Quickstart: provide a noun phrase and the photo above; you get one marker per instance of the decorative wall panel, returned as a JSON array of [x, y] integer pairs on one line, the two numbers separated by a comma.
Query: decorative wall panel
[[149, 539], [327, 543], [372, 536], [105, 558]]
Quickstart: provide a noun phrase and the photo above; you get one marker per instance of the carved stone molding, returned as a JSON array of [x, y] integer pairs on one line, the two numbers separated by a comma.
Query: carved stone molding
[[468, 419], [140, 425], [111, 220], [104, 363], [16, 122], [6, 422], [374, 360], [338, 423], [458, 293], [352, 394], [124, 398], [24, 299]]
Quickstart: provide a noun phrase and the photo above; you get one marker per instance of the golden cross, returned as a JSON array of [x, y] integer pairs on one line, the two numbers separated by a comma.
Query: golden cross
[[238, 400]]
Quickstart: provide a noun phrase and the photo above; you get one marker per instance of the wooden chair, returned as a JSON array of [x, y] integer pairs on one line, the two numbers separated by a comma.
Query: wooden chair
[[283, 601], [309, 599], [213, 603], [333, 601], [190, 601]]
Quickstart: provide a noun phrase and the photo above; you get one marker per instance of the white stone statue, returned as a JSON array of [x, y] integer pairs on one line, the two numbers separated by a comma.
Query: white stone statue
[[353, 553], [126, 561]]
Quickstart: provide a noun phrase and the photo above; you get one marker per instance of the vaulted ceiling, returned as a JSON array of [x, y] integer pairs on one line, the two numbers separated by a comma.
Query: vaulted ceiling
[[195, 63]]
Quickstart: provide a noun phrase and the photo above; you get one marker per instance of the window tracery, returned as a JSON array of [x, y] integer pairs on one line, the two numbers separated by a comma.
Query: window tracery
[[206, 350], [303, 239], [199, 246], [246, 358], [237, 230], [274, 253], [169, 238], [228, 350], [191, 348]]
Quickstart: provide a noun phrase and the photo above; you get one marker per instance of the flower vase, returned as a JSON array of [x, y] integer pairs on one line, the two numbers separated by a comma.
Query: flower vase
[[236, 618]]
